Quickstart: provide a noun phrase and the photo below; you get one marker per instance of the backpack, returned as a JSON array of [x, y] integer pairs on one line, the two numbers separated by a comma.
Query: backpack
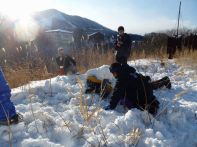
[[101, 87], [146, 99]]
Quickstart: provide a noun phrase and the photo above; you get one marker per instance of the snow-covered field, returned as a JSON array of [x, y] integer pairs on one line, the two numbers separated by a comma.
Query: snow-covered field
[[57, 113]]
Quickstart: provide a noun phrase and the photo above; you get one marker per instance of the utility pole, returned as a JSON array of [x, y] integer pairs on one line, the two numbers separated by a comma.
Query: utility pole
[[178, 19]]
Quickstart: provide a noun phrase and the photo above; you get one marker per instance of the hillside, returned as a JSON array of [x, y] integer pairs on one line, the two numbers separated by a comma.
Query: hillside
[[54, 19]]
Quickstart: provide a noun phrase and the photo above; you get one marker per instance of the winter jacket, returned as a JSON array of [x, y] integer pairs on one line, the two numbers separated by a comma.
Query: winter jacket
[[134, 91], [6, 106], [125, 45], [66, 62]]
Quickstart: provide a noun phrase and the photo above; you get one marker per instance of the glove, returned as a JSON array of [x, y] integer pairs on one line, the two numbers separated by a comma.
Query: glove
[[108, 107]]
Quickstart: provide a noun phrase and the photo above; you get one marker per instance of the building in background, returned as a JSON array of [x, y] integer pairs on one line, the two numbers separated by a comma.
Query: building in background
[[60, 37]]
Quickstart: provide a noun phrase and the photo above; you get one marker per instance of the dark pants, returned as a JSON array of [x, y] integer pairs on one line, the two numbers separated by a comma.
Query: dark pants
[[127, 103], [121, 59], [164, 82], [171, 51], [151, 108]]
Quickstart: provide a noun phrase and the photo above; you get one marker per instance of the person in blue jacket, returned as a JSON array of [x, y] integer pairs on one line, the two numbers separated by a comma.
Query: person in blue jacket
[[8, 113]]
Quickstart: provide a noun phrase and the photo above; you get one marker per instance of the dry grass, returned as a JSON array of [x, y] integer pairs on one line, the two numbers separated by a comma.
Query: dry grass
[[22, 74], [187, 58], [87, 59], [133, 137], [19, 75], [87, 115]]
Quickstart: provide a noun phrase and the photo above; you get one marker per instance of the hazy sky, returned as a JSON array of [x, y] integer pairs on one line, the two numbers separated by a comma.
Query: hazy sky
[[138, 16]]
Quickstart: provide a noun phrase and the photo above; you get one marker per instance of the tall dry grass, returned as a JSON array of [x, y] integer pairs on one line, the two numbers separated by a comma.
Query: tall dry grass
[[18, 74], [187, 58], [90, 58]]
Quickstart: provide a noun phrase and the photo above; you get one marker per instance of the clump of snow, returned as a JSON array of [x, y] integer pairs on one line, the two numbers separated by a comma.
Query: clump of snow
[[58, 113]]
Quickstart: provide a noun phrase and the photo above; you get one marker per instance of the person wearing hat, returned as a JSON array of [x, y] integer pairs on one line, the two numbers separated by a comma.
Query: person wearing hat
[[122, 46], [124, 87], [133, 90], [66, 63]]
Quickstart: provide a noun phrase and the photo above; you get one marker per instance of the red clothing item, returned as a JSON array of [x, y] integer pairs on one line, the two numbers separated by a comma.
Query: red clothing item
[[61, 72]]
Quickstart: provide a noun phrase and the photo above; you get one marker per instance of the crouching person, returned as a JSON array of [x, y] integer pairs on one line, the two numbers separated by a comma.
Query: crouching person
[[133, 90], [67, 65], [8, 113]]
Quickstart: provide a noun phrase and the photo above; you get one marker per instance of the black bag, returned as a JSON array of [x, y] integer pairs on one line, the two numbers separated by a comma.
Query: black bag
[[146, 99]]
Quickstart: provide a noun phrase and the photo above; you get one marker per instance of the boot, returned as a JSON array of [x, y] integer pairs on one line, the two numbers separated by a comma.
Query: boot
[[161, 83], [12, 120]]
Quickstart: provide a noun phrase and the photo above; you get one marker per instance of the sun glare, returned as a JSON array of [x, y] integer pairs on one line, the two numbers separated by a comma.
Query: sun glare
[[26, 29], [12, 14], [17, 9], [20, 12], [13, 9]]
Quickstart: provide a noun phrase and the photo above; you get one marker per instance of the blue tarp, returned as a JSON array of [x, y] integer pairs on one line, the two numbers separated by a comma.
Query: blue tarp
[[5, 104]]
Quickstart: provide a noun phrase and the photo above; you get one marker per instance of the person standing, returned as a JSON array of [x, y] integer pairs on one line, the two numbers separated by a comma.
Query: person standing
[[66, 64], [122, 46]]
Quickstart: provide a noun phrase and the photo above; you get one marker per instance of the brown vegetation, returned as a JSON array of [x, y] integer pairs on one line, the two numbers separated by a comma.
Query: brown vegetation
[[20, 74]]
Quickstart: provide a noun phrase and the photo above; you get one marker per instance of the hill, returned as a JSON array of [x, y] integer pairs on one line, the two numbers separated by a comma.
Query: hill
[[54, 19]]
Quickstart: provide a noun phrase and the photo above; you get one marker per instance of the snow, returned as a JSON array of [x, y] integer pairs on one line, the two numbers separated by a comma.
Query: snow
[[54, 117], [59, 30]]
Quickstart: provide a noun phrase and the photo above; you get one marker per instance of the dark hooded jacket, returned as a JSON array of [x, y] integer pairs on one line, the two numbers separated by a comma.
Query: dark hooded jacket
[[125, 45], [65, 61], [134, 90]]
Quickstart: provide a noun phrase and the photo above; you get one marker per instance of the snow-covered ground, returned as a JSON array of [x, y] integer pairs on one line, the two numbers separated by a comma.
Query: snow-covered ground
[[57, 113]]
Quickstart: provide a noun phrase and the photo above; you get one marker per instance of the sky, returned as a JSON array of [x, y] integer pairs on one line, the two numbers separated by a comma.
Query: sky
[[137, 16]]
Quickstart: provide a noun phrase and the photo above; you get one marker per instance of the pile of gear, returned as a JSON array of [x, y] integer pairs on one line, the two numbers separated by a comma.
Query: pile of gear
[[101, 87]]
